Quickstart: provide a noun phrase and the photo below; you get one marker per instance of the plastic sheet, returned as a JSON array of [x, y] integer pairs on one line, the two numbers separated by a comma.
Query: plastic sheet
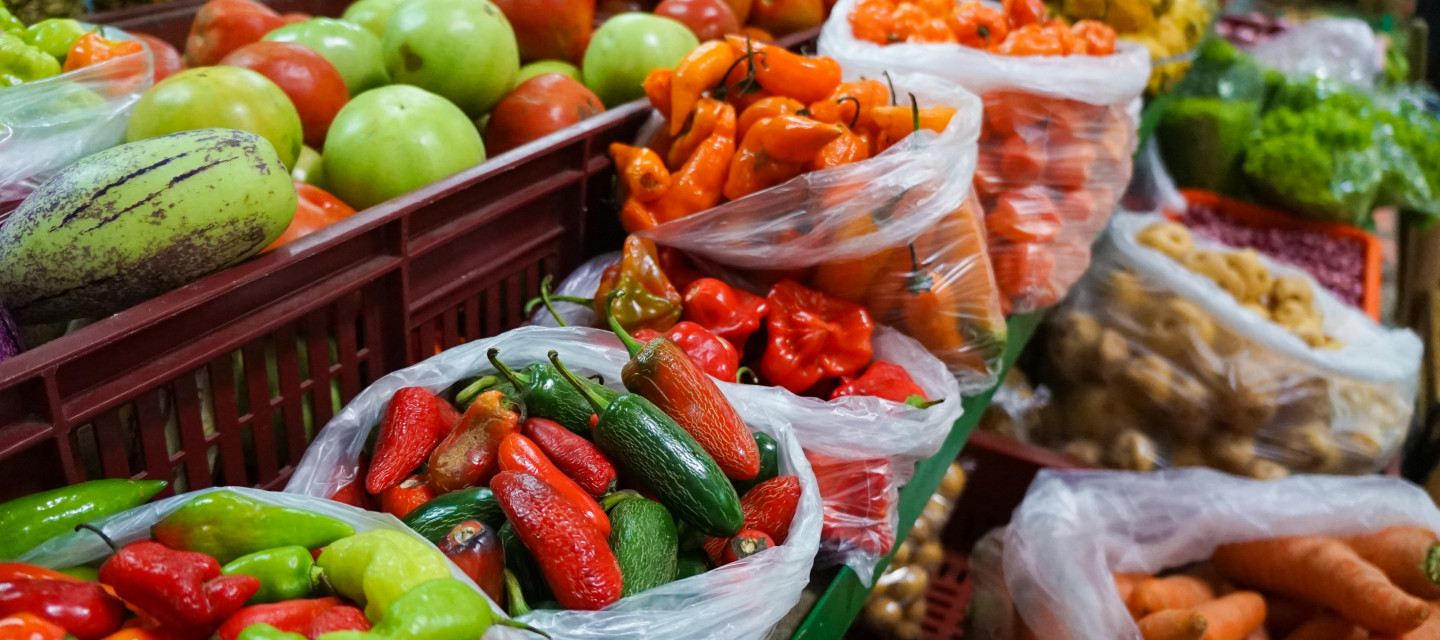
[[1054, 151], [1053, 564], [48, 124], [764, 586], [1342, 49], [1227, 359]]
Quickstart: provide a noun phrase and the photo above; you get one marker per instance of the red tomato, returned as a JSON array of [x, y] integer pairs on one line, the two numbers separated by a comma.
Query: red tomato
[[313, 84], [167, 59], [295, 18], [550, 29], [538, 107], [223, 26], [784, 17], [1022, 12], [709, 19], [317, 210]]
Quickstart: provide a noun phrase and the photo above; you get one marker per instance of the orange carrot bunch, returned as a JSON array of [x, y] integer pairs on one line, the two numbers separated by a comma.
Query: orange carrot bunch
[[742, 116], [1377, 586], [1020, 28]]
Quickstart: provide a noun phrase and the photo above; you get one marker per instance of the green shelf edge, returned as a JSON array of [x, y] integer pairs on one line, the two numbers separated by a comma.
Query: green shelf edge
[[838, 606]]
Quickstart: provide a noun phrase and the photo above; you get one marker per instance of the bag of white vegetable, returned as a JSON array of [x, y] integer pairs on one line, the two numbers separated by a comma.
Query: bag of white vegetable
[[862, 448], [1176, 350], [648, 573], [1194, 553]]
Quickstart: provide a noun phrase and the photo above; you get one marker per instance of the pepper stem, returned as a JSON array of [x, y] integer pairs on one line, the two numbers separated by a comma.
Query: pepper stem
[[919, 281], [514, 597], [740, 375], [855, 118], [920, 402], [469, 393], [631, 344], [575, 382], [915, 111], [546, 299], [890, 81], [515, 378], [111, 543], [613, 499]]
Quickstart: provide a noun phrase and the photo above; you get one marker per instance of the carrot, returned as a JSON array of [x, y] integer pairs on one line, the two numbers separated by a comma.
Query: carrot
[[1125, 584], [1428, 631], [1328, 627], [1326, 572], [1174, 592], [1233, 617], [1410, 556], [1173, 624]]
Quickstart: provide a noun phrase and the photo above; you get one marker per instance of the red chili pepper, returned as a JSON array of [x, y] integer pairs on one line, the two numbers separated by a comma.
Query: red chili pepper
[[857, 496], [714, 354], [469, 455], [25, 626], [732, 314], [353, 492], [402, 498], [82, 608], [295, 616], [882, 380], [660, 371], [415, 422], [813, 337], [769, 507], [573, 555], [678, 268], [745, 544], [183, 590], [93, 48], [20, 570], [580, 459], [341, 618], [473, 546], [519, 454]]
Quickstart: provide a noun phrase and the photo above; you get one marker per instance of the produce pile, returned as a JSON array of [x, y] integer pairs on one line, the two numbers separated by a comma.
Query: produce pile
[[53, 46], [1170, 30], [897, 605]]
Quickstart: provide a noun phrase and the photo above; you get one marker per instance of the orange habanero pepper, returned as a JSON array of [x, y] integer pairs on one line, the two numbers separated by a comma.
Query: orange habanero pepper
[[658, 86], [1098, 37], [1019, 13], [702, 68], [895, 123], [774, 151], [1031, 40], [708, 111], [93, 48], [874, 21], [699, 184], [977, 25], [850, 147], [781, 72], [850, 104], [642, 172], [768, 107]]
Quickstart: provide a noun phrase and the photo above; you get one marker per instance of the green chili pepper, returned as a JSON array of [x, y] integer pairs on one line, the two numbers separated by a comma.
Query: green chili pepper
[[227, 525], [20, 62], [264, 631], [440, 609], [88, 574], [285, 573], [376, 567], [54, 36], [33, 519], [8, 21], [545, 394]]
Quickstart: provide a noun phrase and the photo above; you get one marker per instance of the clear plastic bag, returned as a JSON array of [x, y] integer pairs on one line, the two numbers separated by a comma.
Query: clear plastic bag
[[1052, 566], [896, 607], [1054, 151], [1155, 362], [763, 586], [1342, 49], [862, 448], [866, 231], [48, 124]]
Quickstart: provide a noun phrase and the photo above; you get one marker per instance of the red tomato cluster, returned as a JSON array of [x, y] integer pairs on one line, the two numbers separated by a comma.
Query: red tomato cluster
[[1018, 29]]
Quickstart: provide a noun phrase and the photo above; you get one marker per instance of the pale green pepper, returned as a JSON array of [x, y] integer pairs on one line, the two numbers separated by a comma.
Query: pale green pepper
[[54, 36], [377, 567], [20, 62], [8, 21]]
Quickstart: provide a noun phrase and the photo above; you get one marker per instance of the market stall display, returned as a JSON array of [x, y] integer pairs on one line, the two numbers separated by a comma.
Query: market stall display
[[1169, 30], [897, 606]]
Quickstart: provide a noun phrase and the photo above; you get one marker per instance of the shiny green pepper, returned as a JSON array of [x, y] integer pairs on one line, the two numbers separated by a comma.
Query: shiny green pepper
[[20, 62], [285, 573], [8, 21], [227, 525], [54, 36], [376, 567], [440, 609], [264, 631]]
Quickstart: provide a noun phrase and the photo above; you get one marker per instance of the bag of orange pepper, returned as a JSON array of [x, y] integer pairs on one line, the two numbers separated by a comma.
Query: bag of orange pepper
[[1061, 110], [860, 190]]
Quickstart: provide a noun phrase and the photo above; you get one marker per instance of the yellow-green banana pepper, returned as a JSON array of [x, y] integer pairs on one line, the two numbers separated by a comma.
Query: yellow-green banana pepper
[[377, 567]]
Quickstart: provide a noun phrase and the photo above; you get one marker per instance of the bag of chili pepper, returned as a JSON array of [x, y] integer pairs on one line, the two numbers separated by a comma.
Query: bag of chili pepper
[[1061, 110], [763, 586]]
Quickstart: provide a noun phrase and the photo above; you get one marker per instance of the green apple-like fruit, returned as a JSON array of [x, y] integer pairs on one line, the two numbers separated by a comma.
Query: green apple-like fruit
[[462, 50], [395, 139], [627, 48], [371, 14], [542, 67], [353, 49], [221, 97]]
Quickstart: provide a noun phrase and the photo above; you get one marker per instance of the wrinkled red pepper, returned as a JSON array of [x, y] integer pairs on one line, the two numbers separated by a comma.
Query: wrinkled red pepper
[[402, 498], [341, 618], [715, 355], [769, 507], [883, 380], [813, 337], [82, 608], [732, 314], [414, 424], [294, 616], [182, 590]]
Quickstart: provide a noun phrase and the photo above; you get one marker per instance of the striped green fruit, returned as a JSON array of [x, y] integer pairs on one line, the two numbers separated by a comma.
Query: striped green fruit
[[134, 221]]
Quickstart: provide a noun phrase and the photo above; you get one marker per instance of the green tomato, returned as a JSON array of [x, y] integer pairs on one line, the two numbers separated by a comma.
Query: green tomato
[[54, 36], [307, 167], [395, 139], [221, 97], [542, 67], [354, 50], [371, 14], [627, 48], [463, 50]]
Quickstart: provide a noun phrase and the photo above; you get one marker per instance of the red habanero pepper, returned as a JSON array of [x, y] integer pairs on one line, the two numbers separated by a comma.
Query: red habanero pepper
[[415, 422], [402, 498], [470, 455], [25, 626], [708, 113], [93, 48], [714, 354], [579, 458], [702, 68], [882, 380], [20, 570], [677, 267], [294, 616], [813, 337], [660, 371], [732, 314], [573, 555], [83, 608], [783, 73], [647, 299], [353, 492], [341, 618], [182, 590], [769, 507], [519, 454], [474, 547]]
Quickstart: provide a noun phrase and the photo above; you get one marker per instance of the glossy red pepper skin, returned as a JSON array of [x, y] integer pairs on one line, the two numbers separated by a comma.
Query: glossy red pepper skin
[[402, 498], [294, 616], [20, 570], [415, 422], [573, 555], [474, 547], [579, 458], [519, 454], [469, 455], [341, 618], [715, 355], [82, 608], [857, 496], [813, 337], [678, 268], [732, 314], [881, 380], [769, 507], [182, 590]]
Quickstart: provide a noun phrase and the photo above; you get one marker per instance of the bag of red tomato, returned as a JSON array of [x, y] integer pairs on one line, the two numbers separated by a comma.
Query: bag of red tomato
[[1061, 110]]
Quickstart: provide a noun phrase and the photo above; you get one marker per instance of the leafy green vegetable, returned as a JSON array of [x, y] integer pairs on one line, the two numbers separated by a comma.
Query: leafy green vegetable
[[1202, 139], [1321, 162]]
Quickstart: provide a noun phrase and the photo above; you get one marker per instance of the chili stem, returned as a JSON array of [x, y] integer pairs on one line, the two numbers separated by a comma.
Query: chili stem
[[915, 113], [890, 81], [514, 596], [631, 344], [514, 377], [855, 118], [545, 298], [477, 387], [92, 529], [740, 375], [575, 382], [616, 498]]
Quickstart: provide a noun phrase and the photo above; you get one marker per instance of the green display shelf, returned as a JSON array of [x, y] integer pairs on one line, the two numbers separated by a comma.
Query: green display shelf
[[838, 605]]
